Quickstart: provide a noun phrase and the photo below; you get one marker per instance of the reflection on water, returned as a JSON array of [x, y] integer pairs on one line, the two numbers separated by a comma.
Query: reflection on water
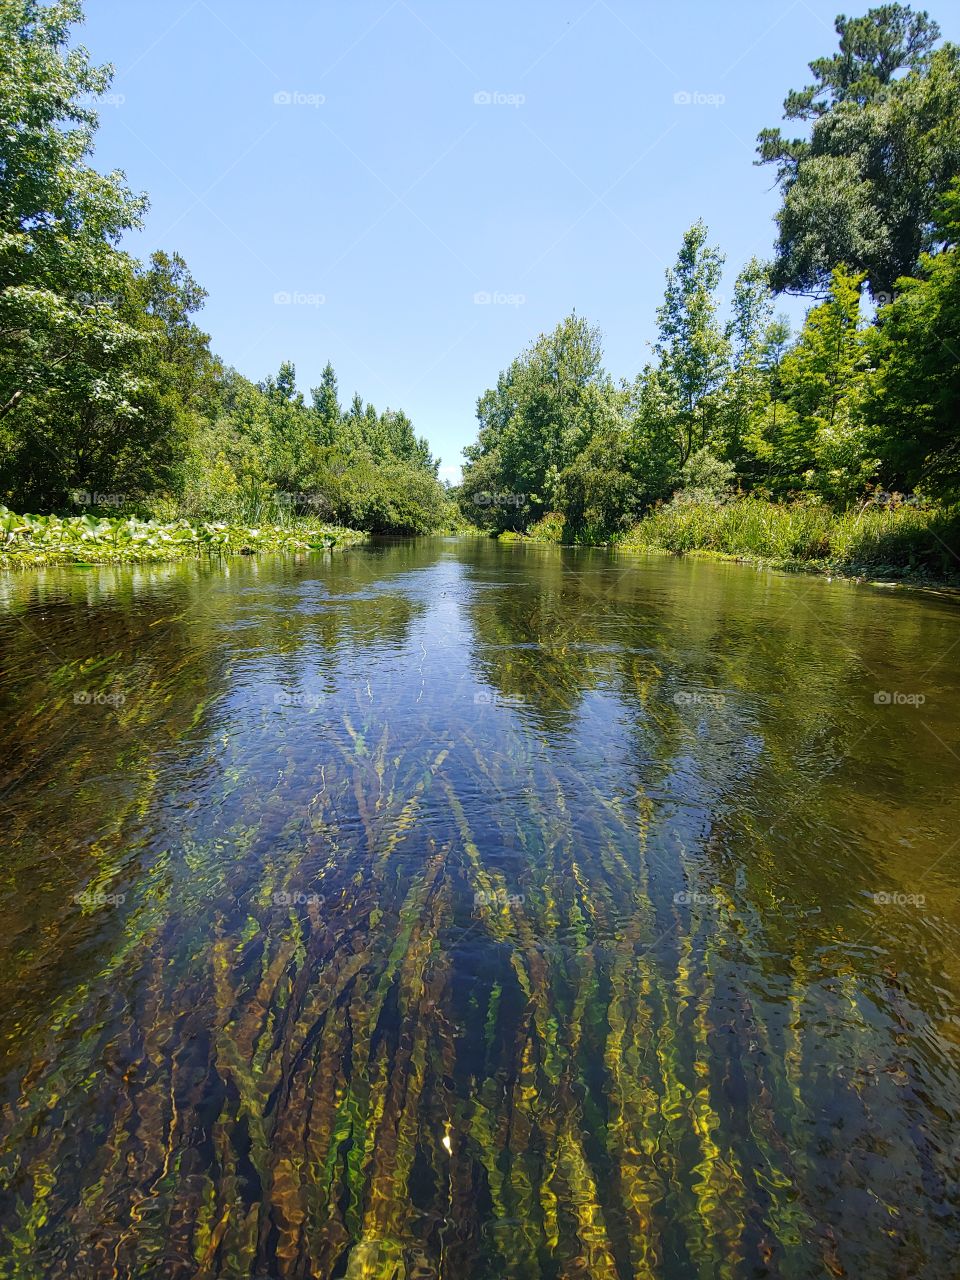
[[450, 909]]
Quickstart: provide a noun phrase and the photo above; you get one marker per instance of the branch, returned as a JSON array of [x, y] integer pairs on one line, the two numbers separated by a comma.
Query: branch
[[11, 403]]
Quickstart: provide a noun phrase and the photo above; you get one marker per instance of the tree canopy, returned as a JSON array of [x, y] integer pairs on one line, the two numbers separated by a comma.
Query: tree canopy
[[884, 139], [107, 385]]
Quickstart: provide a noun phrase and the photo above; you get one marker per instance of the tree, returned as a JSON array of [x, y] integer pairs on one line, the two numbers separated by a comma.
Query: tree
[[326, 404], [654, 446], [164, 298], [760, 464], [597, 492], [823, 441], [746, 389], [62, 275], [692, 348], [873, 49], [914, 398], [106, 382], [152, 385], [544, 410], [704, 478], [400, 441], [282, 389], [290, 433], [884, 141]]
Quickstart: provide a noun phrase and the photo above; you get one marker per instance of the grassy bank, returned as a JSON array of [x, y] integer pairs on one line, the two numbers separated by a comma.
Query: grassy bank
[[902, 543], [27, 541]]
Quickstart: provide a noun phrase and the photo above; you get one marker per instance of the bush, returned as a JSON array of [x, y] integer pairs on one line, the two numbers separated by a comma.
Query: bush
[[597, 493], [549, 528], [705, 476]]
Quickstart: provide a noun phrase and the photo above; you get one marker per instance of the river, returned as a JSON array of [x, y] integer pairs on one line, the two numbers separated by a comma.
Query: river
[[445, 908]]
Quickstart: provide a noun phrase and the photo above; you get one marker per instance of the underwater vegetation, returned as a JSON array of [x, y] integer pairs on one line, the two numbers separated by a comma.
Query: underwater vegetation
[[457, 910]]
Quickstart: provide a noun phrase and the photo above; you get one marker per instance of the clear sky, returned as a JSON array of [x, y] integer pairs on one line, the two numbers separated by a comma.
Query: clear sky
[[426, 153]]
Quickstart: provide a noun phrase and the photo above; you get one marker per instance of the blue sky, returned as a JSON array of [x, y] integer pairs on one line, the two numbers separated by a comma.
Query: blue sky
[[425, 155]]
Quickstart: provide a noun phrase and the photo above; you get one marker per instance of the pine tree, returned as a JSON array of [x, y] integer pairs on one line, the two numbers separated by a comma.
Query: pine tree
[[327, 405]]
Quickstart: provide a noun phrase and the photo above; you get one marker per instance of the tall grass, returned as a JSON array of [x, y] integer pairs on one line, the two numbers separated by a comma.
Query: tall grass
[[899, 540]]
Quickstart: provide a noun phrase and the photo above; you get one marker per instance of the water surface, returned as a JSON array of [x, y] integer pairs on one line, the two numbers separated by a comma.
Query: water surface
[[449, 909]]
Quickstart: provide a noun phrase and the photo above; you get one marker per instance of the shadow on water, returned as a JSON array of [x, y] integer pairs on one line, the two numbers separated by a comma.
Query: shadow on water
[[444, 908]]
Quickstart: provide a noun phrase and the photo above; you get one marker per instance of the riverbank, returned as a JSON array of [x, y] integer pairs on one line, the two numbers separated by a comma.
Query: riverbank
[[890, 544], [31, 541]]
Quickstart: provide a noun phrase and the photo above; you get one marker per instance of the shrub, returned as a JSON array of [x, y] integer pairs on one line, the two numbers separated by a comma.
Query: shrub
[[549, 528], [704, 476]]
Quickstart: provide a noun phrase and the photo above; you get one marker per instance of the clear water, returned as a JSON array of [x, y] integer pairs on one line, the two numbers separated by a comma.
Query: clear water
[[443, 908]]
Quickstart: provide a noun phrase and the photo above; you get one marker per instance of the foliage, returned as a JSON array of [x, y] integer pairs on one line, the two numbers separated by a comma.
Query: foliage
[[653, 447], [109, 390], [892, 539], [107, 386], [692, 347], [703, 477], [597, 492], [725, 407], [817, 441], [549, 528], [30, 540], [914, 400], [543, 412], [69, 347], [756, 341], [884, 141]]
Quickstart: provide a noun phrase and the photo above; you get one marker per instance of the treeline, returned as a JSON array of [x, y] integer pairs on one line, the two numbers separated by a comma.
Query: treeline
[[109, 393], [267, 452], [862, 404]]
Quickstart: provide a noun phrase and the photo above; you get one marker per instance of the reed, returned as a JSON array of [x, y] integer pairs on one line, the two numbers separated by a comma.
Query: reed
[[894, 541]]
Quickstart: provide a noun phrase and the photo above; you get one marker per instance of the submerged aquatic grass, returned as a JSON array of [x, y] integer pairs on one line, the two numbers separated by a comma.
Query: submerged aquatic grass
[[403, 984]]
